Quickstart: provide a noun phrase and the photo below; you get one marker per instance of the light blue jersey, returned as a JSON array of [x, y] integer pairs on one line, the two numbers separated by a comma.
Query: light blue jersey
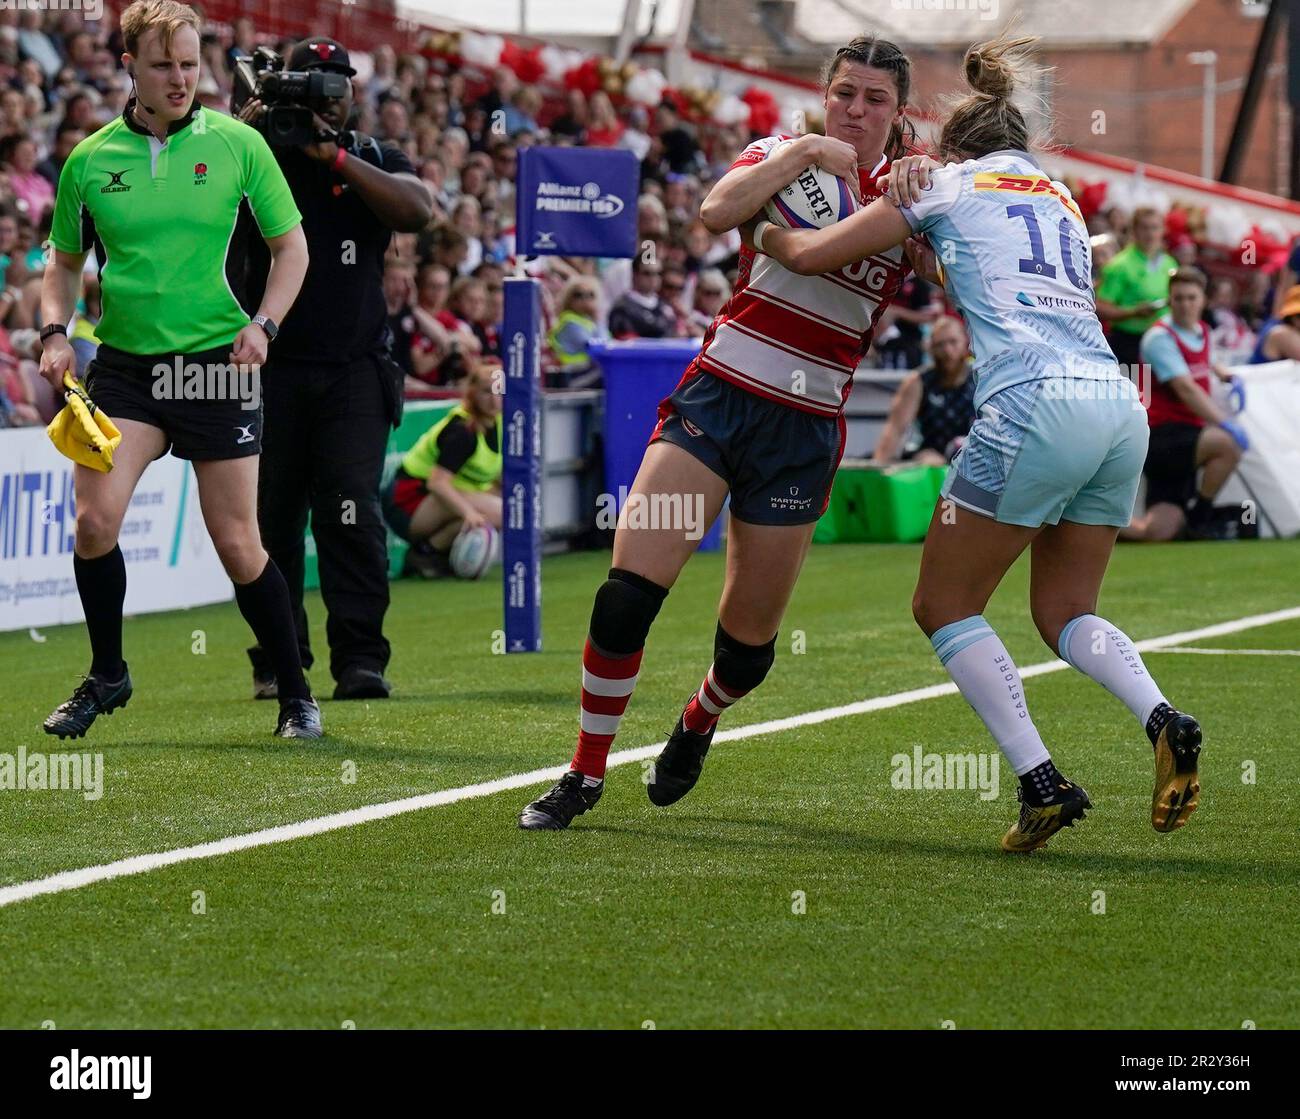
[[1017, 261]]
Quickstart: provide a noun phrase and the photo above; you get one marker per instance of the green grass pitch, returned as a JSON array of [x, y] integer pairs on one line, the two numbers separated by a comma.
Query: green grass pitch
[[795, 887]]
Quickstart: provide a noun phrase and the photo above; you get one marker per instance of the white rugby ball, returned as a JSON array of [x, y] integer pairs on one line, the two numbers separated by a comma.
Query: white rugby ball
[[474, 551], [814, 200]]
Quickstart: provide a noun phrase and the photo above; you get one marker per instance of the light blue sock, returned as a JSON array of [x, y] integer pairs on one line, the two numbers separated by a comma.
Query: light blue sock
[[1105, 653], [983, 670]]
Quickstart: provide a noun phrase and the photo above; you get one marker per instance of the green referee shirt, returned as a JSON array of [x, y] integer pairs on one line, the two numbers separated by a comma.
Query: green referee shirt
[[1131, 277], [161, 217]]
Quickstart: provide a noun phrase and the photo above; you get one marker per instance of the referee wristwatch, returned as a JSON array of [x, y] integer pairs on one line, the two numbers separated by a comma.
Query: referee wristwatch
[[267, 325], [52, 329]]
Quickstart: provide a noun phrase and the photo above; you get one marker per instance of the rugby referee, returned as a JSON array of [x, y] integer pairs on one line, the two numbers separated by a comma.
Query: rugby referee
[[157, 193]]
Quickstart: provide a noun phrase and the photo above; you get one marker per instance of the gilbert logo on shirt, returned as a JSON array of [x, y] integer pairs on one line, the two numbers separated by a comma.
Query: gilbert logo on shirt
[[200, 174], [115, 184]]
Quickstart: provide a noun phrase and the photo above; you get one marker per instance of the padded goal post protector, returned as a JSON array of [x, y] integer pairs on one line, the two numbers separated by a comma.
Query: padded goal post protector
[[521, 476]]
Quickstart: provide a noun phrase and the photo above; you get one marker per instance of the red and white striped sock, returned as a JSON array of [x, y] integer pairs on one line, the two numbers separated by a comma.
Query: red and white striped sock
[[607, 684], [708, 704]]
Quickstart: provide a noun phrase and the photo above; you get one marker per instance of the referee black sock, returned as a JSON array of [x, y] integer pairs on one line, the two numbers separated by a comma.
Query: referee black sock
[[101, 583], [266, 608]]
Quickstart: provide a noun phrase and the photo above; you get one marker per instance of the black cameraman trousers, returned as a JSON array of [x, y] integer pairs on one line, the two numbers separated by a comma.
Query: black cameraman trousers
[[325, 431]]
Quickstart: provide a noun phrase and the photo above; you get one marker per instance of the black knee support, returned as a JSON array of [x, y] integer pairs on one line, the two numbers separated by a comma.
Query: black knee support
[[626, 606], [740, 668]]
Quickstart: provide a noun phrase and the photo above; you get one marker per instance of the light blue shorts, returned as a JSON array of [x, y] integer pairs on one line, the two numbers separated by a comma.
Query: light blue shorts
[[1047, 450]]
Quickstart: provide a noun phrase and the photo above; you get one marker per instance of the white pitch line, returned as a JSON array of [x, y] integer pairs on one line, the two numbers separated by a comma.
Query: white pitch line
[[282, 833], [1234, 652]]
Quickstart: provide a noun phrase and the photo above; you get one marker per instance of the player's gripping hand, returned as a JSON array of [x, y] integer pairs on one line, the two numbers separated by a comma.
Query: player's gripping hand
[[836, 156], [907, 178], [250, 346], [57, 358], [923, 260], [1238, 434]]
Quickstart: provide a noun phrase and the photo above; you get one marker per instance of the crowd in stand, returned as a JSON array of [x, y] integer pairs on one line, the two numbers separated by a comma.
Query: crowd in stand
[[463, 130]]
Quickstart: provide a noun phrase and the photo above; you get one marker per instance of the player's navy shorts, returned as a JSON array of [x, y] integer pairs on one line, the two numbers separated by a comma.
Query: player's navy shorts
[[779, 461], [213, 424]]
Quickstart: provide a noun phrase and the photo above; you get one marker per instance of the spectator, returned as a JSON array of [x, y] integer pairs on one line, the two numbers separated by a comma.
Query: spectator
[[467, 218], [505, 167], [573, 121], [603, 126], [672, 289], [394, 122], [17, 397], [640, 312], [636, 136], [33, 191], [399, 291], [243, 43], [1104, 248], [939, 399], [66, 137], [521, 113], [681, 151], [904, 322], [1233, 338], [450, 248], [575, 326], [34, 44], [1279, 337], [1190, 431], [469, 303], [711, 293], [504, 84], [1134, 288], [442, 342]]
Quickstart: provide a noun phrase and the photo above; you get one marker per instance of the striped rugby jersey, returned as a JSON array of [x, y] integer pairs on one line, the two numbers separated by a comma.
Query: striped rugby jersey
[[798, 339]]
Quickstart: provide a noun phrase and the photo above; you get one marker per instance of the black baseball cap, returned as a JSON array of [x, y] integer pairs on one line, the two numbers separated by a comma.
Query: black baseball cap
[[320, 53]]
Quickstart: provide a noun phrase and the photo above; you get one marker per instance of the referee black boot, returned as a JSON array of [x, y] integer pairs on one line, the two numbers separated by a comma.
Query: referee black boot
[[358, 682], [94, 696], [299, 718]]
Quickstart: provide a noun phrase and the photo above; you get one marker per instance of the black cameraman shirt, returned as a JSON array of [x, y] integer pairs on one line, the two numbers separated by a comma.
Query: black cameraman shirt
[[340, 314]]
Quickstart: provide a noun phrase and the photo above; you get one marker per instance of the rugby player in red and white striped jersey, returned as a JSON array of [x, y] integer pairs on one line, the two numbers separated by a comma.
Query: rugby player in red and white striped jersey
[[758, 416]]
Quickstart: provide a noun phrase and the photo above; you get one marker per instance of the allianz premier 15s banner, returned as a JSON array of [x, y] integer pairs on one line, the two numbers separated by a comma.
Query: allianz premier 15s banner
[[576, 202], [170, 561]]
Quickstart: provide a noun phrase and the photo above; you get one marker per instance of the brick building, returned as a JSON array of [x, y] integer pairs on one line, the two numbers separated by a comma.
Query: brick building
[[1123, 83]]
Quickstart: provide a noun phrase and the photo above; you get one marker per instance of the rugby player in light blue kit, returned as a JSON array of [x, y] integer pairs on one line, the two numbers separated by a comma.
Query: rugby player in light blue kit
[[1053, 461]]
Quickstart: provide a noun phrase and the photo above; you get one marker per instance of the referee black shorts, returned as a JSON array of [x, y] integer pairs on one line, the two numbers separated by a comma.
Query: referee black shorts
[[207, 408]]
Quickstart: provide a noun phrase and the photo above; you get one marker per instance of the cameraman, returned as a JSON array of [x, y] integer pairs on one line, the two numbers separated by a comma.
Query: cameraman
[[331, 390]]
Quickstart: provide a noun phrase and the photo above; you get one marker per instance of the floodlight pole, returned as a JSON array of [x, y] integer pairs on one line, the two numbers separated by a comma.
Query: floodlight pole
[[1208, 59]]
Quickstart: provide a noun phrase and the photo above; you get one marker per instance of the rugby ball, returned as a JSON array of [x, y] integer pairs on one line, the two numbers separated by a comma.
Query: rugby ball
[[814, 200], [474, 551]]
